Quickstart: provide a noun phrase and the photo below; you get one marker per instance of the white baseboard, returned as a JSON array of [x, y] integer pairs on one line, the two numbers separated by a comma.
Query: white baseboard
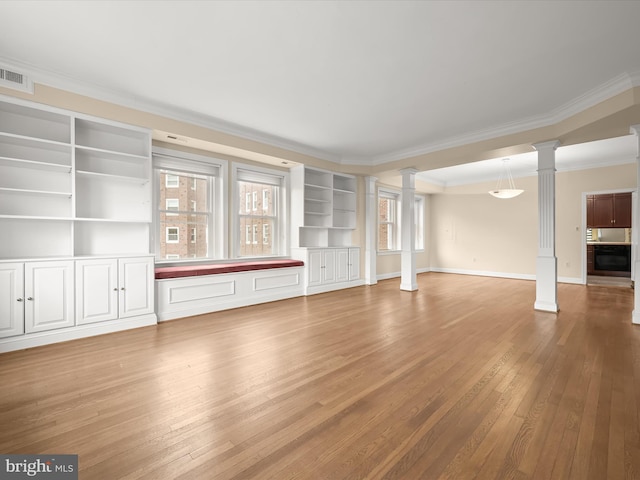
[[386, 276], [515, 276], [72, 333], [330, 287], [484, 273]]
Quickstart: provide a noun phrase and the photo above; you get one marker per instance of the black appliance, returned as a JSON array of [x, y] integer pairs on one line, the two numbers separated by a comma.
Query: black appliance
[[612, 258]]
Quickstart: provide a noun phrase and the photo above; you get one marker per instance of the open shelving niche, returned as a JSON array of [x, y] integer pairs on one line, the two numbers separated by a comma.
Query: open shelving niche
[[70, 184], [324, 208]]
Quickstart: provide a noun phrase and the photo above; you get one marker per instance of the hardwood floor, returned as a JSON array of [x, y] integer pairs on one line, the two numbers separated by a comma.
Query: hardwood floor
[[459, 380]]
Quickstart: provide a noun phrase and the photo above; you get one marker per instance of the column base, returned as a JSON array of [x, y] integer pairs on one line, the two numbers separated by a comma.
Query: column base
[[546, 307], [411, 287], [635, 317], [546, 284]]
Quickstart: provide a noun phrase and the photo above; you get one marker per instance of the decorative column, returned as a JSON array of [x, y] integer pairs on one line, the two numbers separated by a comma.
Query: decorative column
[[371, 232], [547, 263], [408, 279], [635, 224]]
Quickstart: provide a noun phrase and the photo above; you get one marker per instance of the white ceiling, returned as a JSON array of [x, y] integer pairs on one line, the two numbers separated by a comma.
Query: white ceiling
[[345, 81]]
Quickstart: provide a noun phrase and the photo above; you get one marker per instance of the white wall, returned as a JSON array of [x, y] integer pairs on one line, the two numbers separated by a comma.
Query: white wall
[[473, 232]]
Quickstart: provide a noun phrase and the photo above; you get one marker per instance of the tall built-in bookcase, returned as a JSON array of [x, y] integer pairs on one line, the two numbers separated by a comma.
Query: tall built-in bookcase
[[323, 211], [75, 213], [71, 185]]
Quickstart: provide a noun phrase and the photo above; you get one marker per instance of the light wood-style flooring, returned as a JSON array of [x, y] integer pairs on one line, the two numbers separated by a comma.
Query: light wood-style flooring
[[459, 380]]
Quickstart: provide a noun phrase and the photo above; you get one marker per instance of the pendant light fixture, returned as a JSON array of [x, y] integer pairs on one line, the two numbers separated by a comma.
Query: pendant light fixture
[[510, 190]]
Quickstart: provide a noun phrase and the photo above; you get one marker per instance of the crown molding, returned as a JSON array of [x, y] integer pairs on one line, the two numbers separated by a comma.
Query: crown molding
[[99, 92], [591, 98], [613, 87]]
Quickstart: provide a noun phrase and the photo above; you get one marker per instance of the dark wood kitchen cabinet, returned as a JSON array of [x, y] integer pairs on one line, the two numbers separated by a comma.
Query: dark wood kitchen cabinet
[[610, 210], [590, 264]]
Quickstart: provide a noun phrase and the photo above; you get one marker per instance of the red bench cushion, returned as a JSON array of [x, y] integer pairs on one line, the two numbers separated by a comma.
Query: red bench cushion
[[211, 269]]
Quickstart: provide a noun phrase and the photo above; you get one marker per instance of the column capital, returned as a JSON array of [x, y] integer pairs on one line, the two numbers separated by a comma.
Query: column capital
[[635, 130], [408, 170], [551, 144], [370, 181]]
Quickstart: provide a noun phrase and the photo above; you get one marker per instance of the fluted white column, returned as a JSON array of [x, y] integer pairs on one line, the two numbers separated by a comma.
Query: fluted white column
[[635, 223], [546, 262], [408, 278], [371, 232]]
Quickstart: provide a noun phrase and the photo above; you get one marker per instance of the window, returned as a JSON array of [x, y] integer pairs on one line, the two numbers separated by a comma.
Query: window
[[260, 226], [188, 220], [419, 222], [172, 181], [173, 235], [172, 204], [388, 221]]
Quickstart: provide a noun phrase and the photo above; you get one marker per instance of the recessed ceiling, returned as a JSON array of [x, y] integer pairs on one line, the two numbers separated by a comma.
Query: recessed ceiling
[[614, 151], [345, 80]]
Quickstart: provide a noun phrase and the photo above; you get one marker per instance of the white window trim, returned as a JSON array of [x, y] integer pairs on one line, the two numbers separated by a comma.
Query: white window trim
[[177, 240], [218, 244], [395, 195], [245, 173], [166, 181], [167, 206]]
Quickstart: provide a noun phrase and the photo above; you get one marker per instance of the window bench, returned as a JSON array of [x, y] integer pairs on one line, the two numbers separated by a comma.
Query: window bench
[[196, 289]]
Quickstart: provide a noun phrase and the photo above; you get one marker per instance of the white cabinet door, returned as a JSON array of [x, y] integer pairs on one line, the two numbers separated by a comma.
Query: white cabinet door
[[11, 299], [314, 267], [49, 295], [342, 265], [354, 263], [135, 277], [328, 266], [97, 290]]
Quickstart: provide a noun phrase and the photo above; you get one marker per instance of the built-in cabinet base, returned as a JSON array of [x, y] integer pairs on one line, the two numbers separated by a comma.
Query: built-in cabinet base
[[328, 269], [51, 301]]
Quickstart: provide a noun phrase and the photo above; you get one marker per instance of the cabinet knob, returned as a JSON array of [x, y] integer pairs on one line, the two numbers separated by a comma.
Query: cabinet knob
[[115, 289], [122, 289], [20, 299], [29, 298]]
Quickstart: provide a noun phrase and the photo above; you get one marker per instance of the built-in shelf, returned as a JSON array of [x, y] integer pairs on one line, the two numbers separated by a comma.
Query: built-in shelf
[[19, 162], [110, 176], [37, 217], [323, 208], [71, 183], [44, 193]]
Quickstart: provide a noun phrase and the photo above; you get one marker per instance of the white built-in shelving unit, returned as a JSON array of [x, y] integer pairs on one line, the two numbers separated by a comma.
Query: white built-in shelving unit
[[323, 208], [66, 179], [323, 211], [73, 188]]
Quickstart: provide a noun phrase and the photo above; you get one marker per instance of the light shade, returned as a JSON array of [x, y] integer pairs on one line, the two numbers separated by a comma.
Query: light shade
[[506, 192], [511, 190]]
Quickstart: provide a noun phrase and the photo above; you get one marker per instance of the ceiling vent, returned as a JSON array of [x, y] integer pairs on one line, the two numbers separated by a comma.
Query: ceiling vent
[[9, 78]]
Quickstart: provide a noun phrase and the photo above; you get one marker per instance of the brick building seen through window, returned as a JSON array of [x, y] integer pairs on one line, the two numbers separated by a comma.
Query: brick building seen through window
[[257, 219], [183, 234]]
